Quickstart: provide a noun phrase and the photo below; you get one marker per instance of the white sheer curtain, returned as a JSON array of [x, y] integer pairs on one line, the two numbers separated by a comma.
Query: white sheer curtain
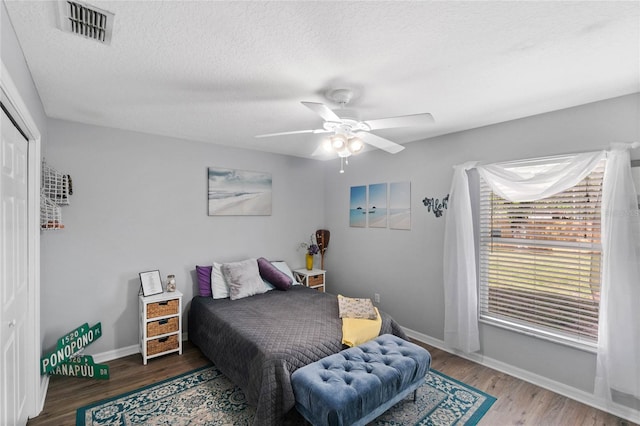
[[515, 184], [618, 362], [460, 294]]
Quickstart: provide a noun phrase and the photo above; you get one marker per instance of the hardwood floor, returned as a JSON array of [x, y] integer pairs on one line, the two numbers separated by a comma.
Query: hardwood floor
[[67, 394], [519, 403]]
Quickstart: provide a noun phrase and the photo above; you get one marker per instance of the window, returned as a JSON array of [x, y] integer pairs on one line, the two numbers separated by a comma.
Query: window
[[539, 261]]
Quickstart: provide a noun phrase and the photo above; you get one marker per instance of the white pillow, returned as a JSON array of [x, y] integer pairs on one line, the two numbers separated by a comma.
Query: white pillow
[[219, 286], [283, 267], [267, 285], [243, 278]]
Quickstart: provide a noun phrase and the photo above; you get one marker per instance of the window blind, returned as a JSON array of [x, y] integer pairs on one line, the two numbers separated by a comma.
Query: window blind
[[539, 261]]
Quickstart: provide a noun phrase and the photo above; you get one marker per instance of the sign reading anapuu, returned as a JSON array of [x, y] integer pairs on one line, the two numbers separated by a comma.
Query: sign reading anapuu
[[82, 366], [69, 346]]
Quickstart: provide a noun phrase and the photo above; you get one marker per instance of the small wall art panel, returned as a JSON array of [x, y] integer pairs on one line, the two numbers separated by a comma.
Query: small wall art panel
[[239, 192], [635, 172], [400, 205], [358, 207], [377, 206]]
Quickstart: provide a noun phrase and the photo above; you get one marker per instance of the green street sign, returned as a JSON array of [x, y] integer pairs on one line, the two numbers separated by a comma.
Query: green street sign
[[82, 366], [73, 335], [69, 345]]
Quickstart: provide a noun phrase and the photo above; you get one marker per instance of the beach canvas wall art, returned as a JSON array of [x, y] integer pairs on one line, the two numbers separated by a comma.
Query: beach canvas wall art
[[400, 205], [358, 207], [377, 206], [239, 192]]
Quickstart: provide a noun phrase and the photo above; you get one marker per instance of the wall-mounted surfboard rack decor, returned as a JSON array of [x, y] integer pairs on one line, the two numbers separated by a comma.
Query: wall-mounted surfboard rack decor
[[436, 205], [66, 359]]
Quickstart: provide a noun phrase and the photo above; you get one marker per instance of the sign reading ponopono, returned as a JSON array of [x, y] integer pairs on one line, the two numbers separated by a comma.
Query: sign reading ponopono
[[69, 346]]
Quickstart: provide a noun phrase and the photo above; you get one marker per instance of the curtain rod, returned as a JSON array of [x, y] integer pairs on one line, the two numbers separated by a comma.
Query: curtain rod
[[630, 145], [547, 158]]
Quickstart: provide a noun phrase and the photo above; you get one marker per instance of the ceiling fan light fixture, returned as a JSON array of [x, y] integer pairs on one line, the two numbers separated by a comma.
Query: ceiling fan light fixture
[[355, 145], [344, 152], [338, 142]]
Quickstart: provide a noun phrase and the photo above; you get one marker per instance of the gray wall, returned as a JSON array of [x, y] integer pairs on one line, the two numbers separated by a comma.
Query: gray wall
[[405, 267], [140, 203]]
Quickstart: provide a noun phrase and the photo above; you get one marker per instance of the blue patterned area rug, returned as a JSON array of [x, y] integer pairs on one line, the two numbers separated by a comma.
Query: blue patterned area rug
[[206, 397]]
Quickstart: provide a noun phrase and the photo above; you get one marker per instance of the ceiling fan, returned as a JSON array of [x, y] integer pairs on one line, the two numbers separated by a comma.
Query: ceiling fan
[[349, 133]]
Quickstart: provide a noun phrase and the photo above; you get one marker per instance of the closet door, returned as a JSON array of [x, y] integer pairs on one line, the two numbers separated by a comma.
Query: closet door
[[13, 274]]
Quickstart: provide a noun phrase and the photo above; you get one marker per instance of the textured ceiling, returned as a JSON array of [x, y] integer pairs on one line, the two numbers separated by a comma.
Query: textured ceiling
[[222, 72]]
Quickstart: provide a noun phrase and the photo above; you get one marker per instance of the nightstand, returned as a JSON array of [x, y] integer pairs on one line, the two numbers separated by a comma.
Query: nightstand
[[314, 278], [160, 324]]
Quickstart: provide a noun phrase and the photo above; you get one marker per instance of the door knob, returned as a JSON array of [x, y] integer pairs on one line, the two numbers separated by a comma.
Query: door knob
[[12, 323]]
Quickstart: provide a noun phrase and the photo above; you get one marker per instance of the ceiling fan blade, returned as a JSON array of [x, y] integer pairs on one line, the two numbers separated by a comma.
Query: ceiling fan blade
[[323, 111], [295, 132], [413, 120], [320, 152], [379, 142]]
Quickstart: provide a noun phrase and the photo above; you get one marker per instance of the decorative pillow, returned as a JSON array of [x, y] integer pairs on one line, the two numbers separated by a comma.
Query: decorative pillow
[[273, 275], [204, 280], [219, 286], [283, 267], [356, 308], [243, 279]]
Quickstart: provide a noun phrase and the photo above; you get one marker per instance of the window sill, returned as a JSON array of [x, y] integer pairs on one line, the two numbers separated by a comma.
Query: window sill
[[550, 337]]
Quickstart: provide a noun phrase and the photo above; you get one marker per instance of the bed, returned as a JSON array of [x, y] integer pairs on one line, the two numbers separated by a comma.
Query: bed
[[260, 340]]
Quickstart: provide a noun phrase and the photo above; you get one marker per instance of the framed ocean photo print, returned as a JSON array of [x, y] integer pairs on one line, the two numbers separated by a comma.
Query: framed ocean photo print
[[377, 206], [150, 282], [238, 192], [400, 205], [358, 207]]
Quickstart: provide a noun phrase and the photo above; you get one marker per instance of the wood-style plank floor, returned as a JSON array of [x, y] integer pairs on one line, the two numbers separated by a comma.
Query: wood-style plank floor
[[519, 403]]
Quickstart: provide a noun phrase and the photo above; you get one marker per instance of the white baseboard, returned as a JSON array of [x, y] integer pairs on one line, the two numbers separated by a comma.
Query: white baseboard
[[544, 382], [116, 353], [122, 352]]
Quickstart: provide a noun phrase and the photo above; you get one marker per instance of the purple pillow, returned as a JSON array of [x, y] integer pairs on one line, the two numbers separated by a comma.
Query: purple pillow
[[204, 280], [273, 275]]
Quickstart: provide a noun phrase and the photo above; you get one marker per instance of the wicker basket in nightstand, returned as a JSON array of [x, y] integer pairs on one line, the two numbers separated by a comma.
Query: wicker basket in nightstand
[[313, 278]]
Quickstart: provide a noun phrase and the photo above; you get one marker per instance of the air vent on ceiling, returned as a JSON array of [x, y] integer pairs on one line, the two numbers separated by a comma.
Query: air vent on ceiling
[[85, 20]]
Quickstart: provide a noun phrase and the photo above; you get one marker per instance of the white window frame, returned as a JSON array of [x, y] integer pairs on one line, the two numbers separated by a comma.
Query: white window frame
[[485, 239]]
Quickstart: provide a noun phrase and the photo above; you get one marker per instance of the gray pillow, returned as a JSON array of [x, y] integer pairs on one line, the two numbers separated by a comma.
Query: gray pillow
[[243, 279]]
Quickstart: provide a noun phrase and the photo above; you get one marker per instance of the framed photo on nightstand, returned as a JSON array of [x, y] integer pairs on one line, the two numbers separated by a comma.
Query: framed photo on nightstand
[[151, 282]]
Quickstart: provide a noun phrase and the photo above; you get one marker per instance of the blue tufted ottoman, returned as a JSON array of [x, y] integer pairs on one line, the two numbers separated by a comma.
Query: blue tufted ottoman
[[358, 384]]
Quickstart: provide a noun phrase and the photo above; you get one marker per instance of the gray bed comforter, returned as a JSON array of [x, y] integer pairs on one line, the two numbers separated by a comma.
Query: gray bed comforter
[[260, 340]]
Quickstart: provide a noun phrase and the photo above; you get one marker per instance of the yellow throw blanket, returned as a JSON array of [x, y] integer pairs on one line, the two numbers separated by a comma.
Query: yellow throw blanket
[[356, 331]]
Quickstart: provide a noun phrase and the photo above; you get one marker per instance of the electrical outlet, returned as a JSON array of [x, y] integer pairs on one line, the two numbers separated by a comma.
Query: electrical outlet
[[376, 297]]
